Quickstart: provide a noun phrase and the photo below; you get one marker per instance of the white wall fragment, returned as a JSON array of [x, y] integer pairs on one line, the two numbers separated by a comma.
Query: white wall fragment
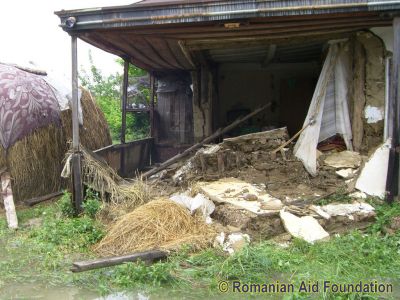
[[306, 228], [372, 179], [373, 114], [233, 242]]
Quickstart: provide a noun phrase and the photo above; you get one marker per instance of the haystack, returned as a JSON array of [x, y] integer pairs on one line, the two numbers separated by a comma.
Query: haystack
[[159, 224], [94, 134], [35, 161]]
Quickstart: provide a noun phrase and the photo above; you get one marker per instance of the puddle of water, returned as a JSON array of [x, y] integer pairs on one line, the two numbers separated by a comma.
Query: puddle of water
[[34, 291]]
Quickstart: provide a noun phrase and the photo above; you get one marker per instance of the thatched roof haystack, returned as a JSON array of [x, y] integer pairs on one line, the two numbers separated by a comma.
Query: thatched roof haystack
[[34, 136]]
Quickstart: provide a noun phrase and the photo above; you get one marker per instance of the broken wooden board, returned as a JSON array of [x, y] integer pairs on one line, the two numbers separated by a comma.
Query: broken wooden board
[[7, 196], [241, 194]]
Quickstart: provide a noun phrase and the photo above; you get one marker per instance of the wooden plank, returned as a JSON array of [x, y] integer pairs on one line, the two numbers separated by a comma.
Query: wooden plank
[[259, 24], [279, 30], [82, 266], [37, 200], [8, 199], [358, 95]]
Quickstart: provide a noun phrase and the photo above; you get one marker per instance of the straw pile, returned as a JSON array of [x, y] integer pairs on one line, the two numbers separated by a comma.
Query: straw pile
[[159, 224], [94, 134], [34, 162], [100, 177]]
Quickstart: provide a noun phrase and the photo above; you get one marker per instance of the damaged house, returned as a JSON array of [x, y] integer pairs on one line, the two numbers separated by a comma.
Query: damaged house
[[325, 70]]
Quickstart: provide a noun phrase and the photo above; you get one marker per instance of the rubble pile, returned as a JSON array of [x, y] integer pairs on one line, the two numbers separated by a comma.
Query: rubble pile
[[264, 192]]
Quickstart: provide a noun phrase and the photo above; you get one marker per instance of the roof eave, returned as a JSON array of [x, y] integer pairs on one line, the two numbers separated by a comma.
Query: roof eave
[[193, 12]]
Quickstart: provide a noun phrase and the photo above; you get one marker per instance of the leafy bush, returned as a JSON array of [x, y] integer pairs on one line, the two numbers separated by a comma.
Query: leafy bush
[[65, 205], [92, 203]]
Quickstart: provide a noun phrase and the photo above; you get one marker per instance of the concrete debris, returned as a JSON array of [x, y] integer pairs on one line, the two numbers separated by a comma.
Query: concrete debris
[[199, 203], [349, 210], [344, 159], [233, 242], [236, 192], [179, 175], [346, 173], [306, 228], [320, 212], [372, 179], [358, 195]]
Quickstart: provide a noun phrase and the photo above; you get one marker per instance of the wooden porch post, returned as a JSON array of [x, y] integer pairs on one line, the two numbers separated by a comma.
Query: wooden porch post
[[392, 183], [124, 100], [152, 96], [77, 189], [123, 109]]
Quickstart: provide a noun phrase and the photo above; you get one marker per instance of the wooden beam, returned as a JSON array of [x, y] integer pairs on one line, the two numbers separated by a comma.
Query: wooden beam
[[77, 186], [124, 100], [124, 104], [37, 200], [152, 99], [358, 95], [82, 266]]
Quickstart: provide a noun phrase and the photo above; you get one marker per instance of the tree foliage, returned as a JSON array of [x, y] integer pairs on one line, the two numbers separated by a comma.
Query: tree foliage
[[108, 92]]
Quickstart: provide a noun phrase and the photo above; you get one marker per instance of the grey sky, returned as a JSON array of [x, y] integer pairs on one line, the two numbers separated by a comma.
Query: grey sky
[[29, 32]]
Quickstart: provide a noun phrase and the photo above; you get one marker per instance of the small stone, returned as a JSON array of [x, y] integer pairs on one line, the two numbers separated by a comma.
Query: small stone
[[250, 197]]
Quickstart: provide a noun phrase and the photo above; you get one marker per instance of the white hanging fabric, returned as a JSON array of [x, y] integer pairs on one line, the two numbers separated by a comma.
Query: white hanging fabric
[[328, 113], [306, 146]]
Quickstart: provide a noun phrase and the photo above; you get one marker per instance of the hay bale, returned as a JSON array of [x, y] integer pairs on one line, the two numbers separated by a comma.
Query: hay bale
[[159, 224], [94, 134], [35, 163]]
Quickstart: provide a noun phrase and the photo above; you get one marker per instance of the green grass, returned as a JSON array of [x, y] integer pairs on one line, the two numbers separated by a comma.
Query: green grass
[[45, 254]]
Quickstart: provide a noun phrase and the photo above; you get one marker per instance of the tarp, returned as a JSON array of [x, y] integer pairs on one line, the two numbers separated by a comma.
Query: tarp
[[328, 113], [27, 102]]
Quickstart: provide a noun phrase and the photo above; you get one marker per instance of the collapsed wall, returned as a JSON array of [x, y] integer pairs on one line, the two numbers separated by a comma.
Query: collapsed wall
[[373, 110]]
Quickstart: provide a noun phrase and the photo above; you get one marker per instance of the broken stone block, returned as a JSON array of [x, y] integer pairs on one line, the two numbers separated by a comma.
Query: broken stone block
[[346, 173], [233, 242], [232, 191], [306, 228], [344, 159], [348, 210]]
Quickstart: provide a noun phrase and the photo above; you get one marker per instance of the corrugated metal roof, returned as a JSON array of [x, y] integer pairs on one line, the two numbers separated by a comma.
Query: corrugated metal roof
[[163, 35], [167, 12]]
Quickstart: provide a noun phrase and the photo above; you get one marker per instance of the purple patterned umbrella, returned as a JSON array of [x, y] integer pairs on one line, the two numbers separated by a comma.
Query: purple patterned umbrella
[[27, 102]]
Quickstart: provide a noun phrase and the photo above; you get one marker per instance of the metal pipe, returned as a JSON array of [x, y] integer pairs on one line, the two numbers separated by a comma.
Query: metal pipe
[[75, 100]]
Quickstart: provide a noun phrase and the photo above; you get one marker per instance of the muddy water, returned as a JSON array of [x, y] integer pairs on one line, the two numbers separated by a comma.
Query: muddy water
[[41, 291]]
